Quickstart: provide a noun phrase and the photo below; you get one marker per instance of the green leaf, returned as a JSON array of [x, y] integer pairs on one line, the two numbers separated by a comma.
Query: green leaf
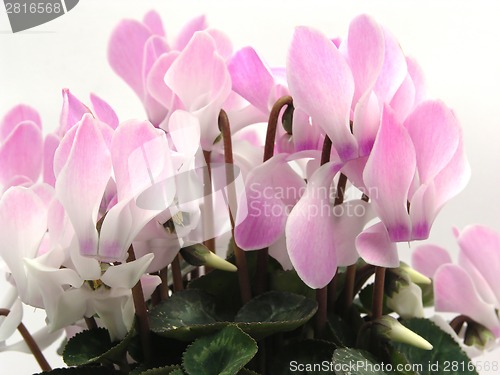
[[339, 332], [273, 312], [88, 370], [245, 371], [91, 346], [303, 352], [222, 353], [185, 316], [446, 351], [167, 370], [289, 281], [164, 351], [353, 361]]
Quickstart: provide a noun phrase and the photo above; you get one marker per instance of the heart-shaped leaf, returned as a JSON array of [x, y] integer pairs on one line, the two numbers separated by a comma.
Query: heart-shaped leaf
[[185, 316], [349, 361], [273, 312], [222, 353]]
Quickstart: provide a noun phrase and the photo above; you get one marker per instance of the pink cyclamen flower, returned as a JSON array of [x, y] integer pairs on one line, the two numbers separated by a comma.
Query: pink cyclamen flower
[[471, 286], [188, 74]]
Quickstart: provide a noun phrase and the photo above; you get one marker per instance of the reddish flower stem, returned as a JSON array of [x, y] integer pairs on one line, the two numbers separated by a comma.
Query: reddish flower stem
[[177, 274], [322, 294], [208, 208], [164, 289], [378, 293], [32, 345], [241, 260], [272, 124], [91, 323], [141, 312]]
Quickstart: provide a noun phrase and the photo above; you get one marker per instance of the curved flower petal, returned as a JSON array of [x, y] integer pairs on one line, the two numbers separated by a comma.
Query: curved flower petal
[[50, 146], [72, 112], [103, 111], [23, 223], [366, 122], [155, 83], [322, 85], [184, 128], [375, 247], [126, 275], [365, 48], [20, 153], [251, 78], [428, 258], [16, 115], [196, 24], [85, 175], [125, 53], [268, 203], [308, 228], [393, 70], [153, 21], [388, 175], [455, 292], [435, 133], [349, 219], [481, 246]]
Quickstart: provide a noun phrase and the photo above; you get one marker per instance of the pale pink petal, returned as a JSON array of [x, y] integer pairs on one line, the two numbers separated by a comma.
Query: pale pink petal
[[139, 153], [366, 122], [23, 223], [308, 228], [427, 258], [393, 70], [223, 43], [164, 246], [116, 312], [85, 175], [453, 178], [126, 275], [17, 114], [422, 211], [155, 83], [375, 247], [103, 111], [199, 77], [251, 78], [365, 47], [349, 219], [72, 112], [153, 21], [388, 175], [418, 79], [49, 149], [268, 204], [403, 100], [125, 53], [435, 133], [63, 150], [306, 136], [21, 153], [196, 24], [184, 128], [278, 251], [454, 292], [322, 85], [481, 246], [149, 284]]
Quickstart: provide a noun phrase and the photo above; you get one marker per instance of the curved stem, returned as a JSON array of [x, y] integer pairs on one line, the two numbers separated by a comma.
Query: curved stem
[[208, 204], [177, 274], [272, 124], [241, 260], [91, 323], [141, 312], [32, 345], [458, 322]]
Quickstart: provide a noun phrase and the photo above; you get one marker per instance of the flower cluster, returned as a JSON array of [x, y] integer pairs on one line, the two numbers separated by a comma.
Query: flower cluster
[[95, 215]]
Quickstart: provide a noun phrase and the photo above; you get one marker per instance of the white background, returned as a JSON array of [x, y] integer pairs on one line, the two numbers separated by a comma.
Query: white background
[[456, 43]]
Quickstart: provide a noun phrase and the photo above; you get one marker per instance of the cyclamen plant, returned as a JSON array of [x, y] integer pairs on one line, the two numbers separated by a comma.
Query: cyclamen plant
[[183, 244]]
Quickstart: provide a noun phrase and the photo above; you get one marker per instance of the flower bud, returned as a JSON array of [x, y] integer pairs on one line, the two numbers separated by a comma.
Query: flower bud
[[200, 255], [414, 275], [478, 335], [407, 301], [391, 329]]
